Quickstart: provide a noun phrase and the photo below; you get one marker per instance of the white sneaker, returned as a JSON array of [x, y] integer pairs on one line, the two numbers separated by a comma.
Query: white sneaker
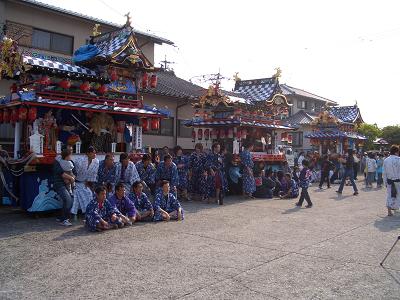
[[66, 223]]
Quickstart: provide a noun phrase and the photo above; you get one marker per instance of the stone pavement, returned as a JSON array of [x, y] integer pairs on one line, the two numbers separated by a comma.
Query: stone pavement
[[246, 249]]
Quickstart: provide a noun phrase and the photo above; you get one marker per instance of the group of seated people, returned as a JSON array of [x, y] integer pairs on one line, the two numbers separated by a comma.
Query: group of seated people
[[121, 210], [275, 184]]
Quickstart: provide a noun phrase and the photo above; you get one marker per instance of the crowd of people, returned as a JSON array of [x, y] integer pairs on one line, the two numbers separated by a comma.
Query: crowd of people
[[115, 194]]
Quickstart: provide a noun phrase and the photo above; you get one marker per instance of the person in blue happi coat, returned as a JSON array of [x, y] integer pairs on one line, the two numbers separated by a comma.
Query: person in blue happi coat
[[167, 170], [106, 174], [249, 184], [197, 178], [166, 206], [216, 180], [182, 163], [100, 214], [147, 173], [144, 208]]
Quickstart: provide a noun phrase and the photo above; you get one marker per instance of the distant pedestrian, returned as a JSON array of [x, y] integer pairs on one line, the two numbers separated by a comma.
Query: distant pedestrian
[[348, 172], [305, 177], [379, 170], [371, 169], [391, 178], [326, 167]]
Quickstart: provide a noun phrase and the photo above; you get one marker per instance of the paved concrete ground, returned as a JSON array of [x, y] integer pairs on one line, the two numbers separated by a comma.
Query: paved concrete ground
[[253, 249]]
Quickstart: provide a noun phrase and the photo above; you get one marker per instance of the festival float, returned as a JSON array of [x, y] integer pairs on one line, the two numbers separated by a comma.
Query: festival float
[[93, 102], [335, 130], [252, 113]]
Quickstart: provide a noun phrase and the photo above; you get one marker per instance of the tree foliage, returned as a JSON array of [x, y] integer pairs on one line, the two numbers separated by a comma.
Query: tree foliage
[[371, 131], [391, 134]]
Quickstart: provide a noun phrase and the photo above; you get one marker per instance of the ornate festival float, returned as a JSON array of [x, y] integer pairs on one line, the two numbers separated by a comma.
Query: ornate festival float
[[335, 130], [253, 112], [94, 101]]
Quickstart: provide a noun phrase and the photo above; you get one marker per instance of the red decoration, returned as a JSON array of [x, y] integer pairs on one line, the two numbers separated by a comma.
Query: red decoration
[[85, 87], [222, 133], [284, 137], [32, 114], [200, 134], [207, 134], [214, 134], [114, 75], [153, 81], [238, 134], [6, 116], [244, 133], [45, 80], [193, 135], [102, 89], [155, 123], [13, 88], [65, 84], [14, 115], [230, 133], [145, 80], [145, 124], [22, 113]]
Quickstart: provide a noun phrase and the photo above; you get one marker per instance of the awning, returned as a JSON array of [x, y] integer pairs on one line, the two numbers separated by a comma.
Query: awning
[[213, 123], [331, 135], [58, 66]]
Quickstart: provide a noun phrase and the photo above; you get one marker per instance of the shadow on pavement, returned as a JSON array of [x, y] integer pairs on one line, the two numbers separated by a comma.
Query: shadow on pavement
[[291, 210], [386, 224]]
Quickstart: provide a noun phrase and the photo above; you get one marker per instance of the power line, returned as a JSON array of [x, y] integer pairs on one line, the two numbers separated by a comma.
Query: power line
[[112, 8]]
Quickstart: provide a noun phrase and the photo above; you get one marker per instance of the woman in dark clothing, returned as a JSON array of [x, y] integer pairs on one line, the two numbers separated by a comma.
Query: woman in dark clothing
[[264, 185]]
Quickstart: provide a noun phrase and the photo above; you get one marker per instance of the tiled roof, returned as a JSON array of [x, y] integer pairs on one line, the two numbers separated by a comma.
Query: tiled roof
[[348, 114], [289, 90], [257, 89], [153, 37], [299, 118], [172, 86]]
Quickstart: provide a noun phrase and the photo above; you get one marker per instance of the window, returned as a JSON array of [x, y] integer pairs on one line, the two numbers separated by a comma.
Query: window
[[297, 139], [184, 131], [52, 41], [302, 104], [167, 127]]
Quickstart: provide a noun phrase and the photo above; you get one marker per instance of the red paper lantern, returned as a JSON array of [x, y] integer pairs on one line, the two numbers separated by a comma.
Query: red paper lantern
[[193, 135], [230, 133], [238, 134], [200, 134], [114, 75], [102, 89], [32, 114], [85, 87], [207, 134], [65, 84], [45, 80], [284, 137], [214, 134], [22, 113], [145, 124], [244, 133], [222, 133], [145, 80], [6, 116], [153, 81], [155, 124], [14, 115]]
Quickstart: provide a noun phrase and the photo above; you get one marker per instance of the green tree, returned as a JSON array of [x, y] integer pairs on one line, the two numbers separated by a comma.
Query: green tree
[[391, 134], [371, 131]]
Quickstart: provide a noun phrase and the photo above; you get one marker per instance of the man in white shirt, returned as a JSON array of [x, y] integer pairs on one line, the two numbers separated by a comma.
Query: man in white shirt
[[391, 178]]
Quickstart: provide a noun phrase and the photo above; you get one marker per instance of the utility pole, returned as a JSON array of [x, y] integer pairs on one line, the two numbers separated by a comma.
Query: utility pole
[[165, 63]]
